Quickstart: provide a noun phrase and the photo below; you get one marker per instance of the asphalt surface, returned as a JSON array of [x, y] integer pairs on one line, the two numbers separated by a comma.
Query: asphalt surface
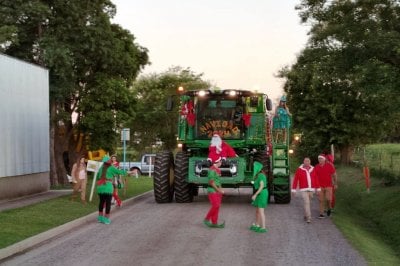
[[143, 232]]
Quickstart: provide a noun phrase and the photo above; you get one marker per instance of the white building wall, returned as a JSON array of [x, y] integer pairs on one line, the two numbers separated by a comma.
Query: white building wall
[[24, 118]]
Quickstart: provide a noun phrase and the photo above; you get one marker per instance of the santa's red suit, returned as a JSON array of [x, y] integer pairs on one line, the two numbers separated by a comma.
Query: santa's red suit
[[305, 179], [219, 148]]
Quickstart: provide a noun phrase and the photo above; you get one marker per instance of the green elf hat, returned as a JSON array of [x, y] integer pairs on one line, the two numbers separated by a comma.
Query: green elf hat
[[257, 168]]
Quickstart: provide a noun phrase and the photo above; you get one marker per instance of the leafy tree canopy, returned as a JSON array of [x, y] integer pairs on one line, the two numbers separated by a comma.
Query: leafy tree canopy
[[152, 121], [91, 61], [343, 89]]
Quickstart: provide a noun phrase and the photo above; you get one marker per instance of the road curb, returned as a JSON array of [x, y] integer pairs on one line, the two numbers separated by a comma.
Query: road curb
[[38, 239]]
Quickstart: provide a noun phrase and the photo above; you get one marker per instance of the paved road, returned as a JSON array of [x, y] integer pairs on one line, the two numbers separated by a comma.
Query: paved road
[[146, 233]]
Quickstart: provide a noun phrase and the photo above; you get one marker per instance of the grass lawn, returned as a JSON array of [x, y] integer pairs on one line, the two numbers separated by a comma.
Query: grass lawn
[[370, 221], [19, 224]]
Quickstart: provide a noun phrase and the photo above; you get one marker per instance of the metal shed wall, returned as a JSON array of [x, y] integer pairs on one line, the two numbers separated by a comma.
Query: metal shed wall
[[24, 127]]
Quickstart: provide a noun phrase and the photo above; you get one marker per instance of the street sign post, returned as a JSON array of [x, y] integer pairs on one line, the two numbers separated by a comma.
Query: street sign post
[[125, 136]]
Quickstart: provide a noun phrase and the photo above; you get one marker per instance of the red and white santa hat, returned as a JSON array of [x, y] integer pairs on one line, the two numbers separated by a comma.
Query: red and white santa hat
[[321, 156]]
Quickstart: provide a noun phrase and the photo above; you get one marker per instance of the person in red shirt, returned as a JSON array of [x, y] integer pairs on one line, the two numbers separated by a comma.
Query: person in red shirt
[[330, 159], [117, 181], [327, 178], [307, 182]]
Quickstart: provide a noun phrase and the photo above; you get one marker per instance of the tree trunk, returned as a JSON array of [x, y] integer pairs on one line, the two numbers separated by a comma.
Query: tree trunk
[[76, 146], [53, 171], [65, 147], [58, 140], [59, 158], [346, 154]]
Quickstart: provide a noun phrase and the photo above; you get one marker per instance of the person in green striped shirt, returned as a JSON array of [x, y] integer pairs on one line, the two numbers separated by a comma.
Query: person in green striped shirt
[[105, 187]]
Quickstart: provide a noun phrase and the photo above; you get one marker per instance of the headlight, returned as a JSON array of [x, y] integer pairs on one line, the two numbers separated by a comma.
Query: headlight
[[233, 169], [198, 169]]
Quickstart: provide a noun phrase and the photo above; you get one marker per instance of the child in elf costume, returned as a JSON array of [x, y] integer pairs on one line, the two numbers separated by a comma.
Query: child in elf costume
[[215, 193], [259, 198], [105, 188]]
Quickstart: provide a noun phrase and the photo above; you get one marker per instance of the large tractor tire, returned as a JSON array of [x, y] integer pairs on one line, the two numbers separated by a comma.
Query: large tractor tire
[[183, 190], [265, 160], [164, 177], [285, 196]]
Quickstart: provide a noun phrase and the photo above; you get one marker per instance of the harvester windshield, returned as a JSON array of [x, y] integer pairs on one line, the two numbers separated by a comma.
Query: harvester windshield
[[219, 115]]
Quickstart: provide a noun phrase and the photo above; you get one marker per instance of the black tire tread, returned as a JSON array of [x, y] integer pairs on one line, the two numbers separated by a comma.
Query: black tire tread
[[183, 190], [163, 190]]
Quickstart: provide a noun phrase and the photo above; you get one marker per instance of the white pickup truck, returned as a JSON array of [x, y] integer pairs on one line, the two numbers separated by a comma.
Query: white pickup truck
[[145, 166]]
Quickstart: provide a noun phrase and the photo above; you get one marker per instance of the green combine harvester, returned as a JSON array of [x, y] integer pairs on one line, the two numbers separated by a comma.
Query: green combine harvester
[[244, 121]]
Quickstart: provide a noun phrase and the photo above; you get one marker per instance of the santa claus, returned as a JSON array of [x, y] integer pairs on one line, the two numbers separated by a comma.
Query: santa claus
[[218, 147]]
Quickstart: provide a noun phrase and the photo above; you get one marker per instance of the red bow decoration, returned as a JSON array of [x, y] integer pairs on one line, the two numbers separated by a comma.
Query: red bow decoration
[[191, 119], [246, 119], [187, 108], [188, 113]]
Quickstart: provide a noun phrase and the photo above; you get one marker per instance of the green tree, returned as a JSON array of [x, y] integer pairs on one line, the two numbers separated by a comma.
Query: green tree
[[152, 122], [344, 86], [92, 63]]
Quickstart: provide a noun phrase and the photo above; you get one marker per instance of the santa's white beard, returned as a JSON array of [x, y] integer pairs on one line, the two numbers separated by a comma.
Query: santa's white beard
[[217, 143]]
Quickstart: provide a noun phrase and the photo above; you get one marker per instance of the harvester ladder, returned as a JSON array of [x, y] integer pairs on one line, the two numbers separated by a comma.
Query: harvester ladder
[[268, 135], [280, 163]]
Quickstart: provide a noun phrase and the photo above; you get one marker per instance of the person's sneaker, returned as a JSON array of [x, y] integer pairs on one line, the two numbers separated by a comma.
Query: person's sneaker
[[328, 213], [100, 218], [221, 225], [261, 230], [321, 216], [106, 220], [254, 227], [308, 220], [207, 222]]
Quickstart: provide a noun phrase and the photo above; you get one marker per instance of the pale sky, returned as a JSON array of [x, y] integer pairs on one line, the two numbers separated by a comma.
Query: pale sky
[[236, 44]]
